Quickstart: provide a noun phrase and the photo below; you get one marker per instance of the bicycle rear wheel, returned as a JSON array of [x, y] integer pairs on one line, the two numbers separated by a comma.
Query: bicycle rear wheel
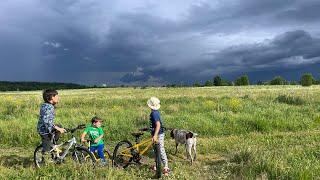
[[40, 158], [122, 154], [157, 159], [83, 156]]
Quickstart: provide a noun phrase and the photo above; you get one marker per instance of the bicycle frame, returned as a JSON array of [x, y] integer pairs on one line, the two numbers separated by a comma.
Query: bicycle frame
[[148, 143], [125, 152], [108, 155], [70, 142], [61, 151]]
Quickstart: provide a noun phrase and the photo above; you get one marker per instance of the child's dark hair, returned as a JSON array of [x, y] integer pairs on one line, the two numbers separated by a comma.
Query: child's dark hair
[[48, 94], [95, 119]]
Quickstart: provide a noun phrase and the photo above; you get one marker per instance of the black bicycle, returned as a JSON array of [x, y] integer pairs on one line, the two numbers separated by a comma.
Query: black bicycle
[[63, 152]]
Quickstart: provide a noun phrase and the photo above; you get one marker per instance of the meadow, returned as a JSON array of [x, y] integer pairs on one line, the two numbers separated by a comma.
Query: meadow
[[253, 132]]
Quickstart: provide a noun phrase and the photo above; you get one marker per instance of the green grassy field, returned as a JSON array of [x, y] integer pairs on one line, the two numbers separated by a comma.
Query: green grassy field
[[264, 132]]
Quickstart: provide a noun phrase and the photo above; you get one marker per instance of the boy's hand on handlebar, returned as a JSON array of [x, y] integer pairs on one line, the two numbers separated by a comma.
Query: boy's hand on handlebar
[[61, 130]]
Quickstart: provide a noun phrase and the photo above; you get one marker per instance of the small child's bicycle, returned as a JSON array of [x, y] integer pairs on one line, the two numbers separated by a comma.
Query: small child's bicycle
[[106, 151], [64, 151], [125, 152]]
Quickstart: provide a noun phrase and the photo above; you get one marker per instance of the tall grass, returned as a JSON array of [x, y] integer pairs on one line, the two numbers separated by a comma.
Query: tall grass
[[243, 131]]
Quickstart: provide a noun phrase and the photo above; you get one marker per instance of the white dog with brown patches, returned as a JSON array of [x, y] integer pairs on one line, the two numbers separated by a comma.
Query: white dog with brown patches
[[187, 138]]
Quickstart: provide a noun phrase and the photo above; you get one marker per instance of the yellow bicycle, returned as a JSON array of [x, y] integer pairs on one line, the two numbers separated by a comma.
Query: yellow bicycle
[[125, 152]]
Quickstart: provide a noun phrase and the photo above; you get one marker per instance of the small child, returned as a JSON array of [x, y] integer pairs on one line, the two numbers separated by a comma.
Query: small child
[[157, 130], [46, 127], [95, 134]]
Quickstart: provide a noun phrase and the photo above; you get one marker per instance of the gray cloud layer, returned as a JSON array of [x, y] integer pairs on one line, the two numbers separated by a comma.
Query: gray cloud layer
[[136, 41]]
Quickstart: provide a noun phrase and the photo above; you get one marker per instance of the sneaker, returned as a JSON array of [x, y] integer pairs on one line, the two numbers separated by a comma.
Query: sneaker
[[166, 171], [153, 168], [103, 163]]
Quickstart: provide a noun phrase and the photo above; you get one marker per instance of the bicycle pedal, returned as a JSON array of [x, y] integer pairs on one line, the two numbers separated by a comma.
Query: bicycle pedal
[[58, 150]]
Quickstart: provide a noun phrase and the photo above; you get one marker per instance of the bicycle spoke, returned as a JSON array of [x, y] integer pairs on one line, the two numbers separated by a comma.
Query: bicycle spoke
[[83, 156], [122, 154]]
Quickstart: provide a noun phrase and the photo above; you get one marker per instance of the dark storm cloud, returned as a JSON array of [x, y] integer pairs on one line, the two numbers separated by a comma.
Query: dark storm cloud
[[303, 12], [293, 48], [98, 41]]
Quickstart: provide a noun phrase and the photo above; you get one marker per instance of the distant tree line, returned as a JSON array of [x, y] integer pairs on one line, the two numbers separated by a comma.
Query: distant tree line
[[31, 86], [306, 80]]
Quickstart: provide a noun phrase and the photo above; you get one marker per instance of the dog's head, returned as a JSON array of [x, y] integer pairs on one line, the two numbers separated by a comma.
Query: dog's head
[[189, 135]]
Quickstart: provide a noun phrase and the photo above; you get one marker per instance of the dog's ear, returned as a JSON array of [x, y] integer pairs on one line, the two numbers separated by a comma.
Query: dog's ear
[[172, 134], [189, 135]]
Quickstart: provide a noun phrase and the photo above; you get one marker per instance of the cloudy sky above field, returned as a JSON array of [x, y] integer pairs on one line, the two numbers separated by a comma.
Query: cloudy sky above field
[[145, 41]]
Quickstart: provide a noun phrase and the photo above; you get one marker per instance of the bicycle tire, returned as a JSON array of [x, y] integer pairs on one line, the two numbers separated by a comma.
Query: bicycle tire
[[83, 156], [37, 155], [157, 159], [118, 159]]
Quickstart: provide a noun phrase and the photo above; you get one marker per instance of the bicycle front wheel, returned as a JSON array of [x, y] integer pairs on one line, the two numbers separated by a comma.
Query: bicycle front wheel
[[157, 159], [122, 154], [83, 156]]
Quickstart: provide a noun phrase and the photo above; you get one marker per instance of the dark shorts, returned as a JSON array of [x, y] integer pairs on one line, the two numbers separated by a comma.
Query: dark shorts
[[49, 140]]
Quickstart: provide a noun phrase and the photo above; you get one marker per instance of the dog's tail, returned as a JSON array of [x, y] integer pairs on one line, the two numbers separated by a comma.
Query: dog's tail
[[195, 134]]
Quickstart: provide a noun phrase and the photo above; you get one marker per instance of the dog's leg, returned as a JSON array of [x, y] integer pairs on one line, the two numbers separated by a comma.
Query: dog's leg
[[189, 147], [187, 151], [176, 148]]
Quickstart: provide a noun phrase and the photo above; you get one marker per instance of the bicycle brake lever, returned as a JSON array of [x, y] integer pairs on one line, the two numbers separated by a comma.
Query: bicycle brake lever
[[144, 129]]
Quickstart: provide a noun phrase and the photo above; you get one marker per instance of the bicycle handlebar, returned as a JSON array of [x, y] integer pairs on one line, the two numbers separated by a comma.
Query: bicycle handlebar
[[72, 130], [144, 129], [147, 129]]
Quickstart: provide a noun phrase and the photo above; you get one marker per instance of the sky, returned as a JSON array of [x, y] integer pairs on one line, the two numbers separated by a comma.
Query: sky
[[151, 42]]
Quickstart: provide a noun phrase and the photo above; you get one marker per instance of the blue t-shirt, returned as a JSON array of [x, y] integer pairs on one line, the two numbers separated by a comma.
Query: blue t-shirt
[[154, 117]]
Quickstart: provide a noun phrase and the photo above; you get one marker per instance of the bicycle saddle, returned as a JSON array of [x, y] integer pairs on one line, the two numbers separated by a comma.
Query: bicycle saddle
[[137, 134]]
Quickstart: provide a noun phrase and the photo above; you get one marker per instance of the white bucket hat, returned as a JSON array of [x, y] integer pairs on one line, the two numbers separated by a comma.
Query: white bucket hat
[[154, 103]]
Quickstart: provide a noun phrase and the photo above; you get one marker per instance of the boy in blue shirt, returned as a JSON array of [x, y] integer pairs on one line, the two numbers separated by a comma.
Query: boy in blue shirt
[[157, 130]]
